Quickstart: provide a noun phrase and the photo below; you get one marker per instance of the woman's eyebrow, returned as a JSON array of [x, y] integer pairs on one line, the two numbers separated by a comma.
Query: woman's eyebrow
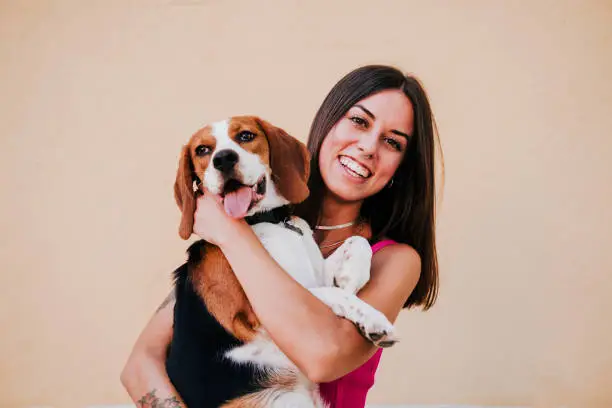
[[397, 132], [370, 114]]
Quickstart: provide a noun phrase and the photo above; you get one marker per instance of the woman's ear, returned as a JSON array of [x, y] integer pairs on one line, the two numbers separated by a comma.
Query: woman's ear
[[289, 162], [184, 194]]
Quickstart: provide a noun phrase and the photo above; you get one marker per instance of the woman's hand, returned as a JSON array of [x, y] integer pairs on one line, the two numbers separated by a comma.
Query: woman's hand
[[211, 222]]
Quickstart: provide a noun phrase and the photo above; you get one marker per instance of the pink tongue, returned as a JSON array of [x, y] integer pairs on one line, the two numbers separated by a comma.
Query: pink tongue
[[237, 203]]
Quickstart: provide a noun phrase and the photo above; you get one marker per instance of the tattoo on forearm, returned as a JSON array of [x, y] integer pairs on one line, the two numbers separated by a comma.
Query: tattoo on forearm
[[150, 400], [166, 301]]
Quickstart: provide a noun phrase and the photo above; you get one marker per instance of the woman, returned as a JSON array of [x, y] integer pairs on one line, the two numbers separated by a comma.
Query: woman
[[372, 174]]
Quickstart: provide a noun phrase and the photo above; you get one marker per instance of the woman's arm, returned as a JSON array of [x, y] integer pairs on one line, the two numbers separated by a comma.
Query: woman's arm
[[144, 374], [322, 345]]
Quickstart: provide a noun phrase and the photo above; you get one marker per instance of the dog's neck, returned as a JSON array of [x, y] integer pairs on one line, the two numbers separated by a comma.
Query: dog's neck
[[274, 216]]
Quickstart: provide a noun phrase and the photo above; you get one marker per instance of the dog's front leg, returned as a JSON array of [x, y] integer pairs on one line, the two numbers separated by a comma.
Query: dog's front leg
[[349, 266], [372, 324]]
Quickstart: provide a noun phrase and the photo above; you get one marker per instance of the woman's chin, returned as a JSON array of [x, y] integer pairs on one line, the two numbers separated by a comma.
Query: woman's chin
[[346, 193]]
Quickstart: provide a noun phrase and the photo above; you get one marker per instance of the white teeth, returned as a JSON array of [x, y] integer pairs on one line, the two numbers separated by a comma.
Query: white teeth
[[355, 167]]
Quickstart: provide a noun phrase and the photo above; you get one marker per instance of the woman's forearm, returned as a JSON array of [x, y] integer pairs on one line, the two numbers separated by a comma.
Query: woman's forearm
[[303, 327], [144, 375], [147, 383]]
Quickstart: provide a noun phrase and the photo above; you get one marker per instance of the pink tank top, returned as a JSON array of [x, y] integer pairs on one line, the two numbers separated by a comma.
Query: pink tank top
[[351, 390]]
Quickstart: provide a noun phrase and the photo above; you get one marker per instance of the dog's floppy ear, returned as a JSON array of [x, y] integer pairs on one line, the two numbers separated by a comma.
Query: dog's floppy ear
[[289, 162], [184, 194]]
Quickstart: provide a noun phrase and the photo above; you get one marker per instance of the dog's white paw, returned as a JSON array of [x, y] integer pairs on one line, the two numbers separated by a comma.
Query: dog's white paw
[[377, 329], [372, 324], [351, 263]]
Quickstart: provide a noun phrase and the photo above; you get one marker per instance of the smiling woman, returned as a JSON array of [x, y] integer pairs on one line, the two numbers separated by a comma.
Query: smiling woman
[[372, 143]]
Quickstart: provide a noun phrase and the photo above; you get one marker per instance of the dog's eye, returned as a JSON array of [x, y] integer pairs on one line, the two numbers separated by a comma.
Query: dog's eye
[[245, 136], [202, 150]]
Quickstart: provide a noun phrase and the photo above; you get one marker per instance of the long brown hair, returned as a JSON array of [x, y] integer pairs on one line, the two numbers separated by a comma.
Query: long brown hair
[[404, 211]]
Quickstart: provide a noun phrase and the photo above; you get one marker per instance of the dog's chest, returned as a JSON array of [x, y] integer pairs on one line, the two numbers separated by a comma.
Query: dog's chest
[[289, 250]]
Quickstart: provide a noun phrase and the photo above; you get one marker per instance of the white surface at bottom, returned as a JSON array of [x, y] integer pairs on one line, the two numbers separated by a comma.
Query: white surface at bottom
[[368, 406]]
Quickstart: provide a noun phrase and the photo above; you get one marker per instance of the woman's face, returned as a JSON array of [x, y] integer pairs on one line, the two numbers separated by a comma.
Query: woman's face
[[361, 152]]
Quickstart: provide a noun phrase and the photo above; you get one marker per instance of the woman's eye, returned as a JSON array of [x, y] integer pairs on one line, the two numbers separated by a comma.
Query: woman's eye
[[359, 121], [394, 143], [245, 136], [202, 150]]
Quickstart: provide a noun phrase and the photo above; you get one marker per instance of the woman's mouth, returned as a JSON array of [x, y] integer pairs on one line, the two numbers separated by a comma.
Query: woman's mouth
[[354, 168]]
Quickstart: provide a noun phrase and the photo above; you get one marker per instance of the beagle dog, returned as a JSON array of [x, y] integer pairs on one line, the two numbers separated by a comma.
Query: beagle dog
[[220, 354]]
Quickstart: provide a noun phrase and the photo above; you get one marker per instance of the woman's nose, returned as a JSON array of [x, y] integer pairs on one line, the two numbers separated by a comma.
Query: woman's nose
[[367, 144]]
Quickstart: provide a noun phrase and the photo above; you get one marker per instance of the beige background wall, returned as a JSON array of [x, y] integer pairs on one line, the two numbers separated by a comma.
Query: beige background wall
[[97, 97]]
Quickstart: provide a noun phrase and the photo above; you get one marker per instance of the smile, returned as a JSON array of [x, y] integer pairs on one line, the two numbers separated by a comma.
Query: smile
[[354, 168]]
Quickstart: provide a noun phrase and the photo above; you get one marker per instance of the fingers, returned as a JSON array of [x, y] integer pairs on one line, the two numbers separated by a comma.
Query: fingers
[[207, 198]]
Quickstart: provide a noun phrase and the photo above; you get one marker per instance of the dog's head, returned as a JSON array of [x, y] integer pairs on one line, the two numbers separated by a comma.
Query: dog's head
[[253, 165]]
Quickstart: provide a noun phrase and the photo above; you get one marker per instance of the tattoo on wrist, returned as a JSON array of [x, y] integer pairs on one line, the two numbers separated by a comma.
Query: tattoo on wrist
[[150, 400], [166, 301]]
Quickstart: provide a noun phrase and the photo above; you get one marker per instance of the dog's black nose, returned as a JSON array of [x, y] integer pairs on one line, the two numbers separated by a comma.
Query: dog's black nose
[[225, 160]]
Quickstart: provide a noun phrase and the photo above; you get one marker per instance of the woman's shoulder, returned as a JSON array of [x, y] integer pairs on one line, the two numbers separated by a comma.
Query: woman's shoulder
[[393, 247], [395, 272], [393, 255]]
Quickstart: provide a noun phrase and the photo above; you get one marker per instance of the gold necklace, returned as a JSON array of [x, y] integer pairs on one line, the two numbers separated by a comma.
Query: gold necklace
[[332, 244], [324, 245]]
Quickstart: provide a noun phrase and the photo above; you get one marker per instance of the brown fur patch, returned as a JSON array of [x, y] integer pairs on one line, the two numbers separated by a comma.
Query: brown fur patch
[[248, 401], [285, 380], [289, 162], [259, 145], [190, 163], [273, 384], [217, 285]]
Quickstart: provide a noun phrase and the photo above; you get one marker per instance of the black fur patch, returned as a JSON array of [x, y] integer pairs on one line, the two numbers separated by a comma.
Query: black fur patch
[[195, 362]]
